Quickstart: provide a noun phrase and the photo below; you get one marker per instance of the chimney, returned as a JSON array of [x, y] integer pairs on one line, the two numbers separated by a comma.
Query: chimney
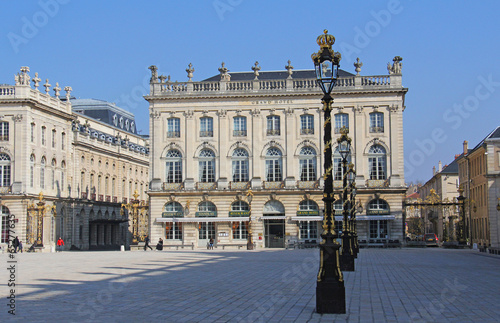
[[466, 149], [433, 170], [440, 167]]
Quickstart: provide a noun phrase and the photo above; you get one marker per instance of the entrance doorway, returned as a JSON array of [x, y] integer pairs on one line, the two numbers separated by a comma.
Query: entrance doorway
[[274, 233], [206, 231]]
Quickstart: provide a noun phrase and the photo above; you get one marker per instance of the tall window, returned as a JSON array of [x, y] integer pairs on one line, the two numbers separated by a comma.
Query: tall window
[[273, 125], [174, 166], [99, 188], [240, 126], [63, 139], [341, 120], [53, 174], [63, 171], [113, 187], [240, 165], [173, 229], [377, 162], [207, 166], [32, 171], [378, 229], [4, 131], [206, 229], [206, 127], [306, 124], [308, 229], [4, 170], [376, 122], [43, 135], [5, 225], [307, 162], [32, 132], [91, 184], [273, 165], [240, 228], [173, 128], [42, 172], [378, 207], [338, 169], [53, 138]]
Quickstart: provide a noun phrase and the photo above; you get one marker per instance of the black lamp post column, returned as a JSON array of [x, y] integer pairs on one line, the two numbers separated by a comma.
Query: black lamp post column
[[330, 290], [461, 223], [346, 256], [249, 238], [352, 219]]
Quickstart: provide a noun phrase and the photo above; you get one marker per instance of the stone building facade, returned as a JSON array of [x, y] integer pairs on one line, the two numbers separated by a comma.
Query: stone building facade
[[479, 173], [259, 133], [67, 166]]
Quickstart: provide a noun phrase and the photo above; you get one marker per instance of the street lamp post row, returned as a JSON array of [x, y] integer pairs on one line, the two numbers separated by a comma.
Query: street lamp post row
[[330, 289]]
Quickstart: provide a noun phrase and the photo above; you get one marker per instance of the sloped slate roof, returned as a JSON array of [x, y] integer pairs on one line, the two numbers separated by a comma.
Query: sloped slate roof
[[272, 75]]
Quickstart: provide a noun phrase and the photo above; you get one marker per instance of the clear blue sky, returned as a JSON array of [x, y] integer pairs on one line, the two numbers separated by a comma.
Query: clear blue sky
[[102, 49]]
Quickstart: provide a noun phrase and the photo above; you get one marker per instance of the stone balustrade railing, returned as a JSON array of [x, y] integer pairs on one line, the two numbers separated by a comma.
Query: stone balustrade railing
[[255, 86], [26, 92]]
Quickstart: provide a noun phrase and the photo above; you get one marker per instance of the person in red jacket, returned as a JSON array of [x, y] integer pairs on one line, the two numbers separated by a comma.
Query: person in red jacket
[[60, 244]]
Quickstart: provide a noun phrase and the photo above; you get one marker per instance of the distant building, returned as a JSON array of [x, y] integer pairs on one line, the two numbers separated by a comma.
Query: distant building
[[443, 186], [66, 166], [212, 141], [479, 173]]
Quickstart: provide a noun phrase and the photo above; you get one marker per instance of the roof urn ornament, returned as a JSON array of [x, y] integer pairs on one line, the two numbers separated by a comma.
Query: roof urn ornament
[[358, 65], [57, 89], [289, 69], [68, 90], [190, 71], [256, 69], [36, 81], [47, 86], [224, 75]]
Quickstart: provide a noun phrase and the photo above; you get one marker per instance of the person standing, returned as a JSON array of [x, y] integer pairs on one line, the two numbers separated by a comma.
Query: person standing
[[146, 245], [60, 244], [15, 244], [20, 246], [211, 243]]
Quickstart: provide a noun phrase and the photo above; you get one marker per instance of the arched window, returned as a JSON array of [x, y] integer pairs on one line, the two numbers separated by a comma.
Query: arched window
[[338, 169], [341, 120], [308, 205], [376, 122], [32, 170], [240, 206], [274, 165], [206, 127], [173, 127], [173, 210], [173, 166], [307, 163], [42, 172], [308, 229], [378, 207], [206, 206], [240, 165], [377, 162], [240, 126], [4, 170], [307, 124], [207, 166]]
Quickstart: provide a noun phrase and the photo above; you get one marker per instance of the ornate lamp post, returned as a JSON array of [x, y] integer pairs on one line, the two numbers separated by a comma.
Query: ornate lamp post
[[330, 290], [347, 255], [250, 240], [461, 223], [352, 211], [36, 213]]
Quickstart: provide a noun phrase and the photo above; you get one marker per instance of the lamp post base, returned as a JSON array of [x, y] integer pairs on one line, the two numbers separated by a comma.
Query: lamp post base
[[346, 262], [249, 246], [330, 297]]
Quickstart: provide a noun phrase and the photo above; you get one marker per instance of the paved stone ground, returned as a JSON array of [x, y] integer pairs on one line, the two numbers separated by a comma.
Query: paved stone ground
[[389, 285]]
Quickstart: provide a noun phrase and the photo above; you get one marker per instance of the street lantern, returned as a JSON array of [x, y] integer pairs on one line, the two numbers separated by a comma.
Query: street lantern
[[330, 290], [326, 63]]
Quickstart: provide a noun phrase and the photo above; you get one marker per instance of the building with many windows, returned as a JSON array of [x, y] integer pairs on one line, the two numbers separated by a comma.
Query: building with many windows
[[66, 166], [216, 142], [479, 175]]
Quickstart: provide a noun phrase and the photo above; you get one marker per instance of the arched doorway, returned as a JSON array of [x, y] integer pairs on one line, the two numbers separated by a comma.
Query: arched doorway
[[274, 224]]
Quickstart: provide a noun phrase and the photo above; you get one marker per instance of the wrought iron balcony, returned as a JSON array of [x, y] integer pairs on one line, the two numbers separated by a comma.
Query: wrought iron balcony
[[239, 133], [273, 132], [376, 129], [173, 134], [307, 131], [206, 133]]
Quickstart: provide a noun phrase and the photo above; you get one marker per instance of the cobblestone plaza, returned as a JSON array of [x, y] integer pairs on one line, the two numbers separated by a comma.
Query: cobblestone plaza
[[389, 285]]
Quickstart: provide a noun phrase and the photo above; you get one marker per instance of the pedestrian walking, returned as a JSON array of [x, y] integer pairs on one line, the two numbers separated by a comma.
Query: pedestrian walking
[[211, 243], [60, 244], [15, 244], [146, 244], [20, 246]]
